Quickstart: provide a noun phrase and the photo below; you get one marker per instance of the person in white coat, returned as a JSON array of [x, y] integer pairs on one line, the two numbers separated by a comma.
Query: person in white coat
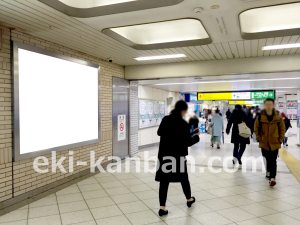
[[217, 129]]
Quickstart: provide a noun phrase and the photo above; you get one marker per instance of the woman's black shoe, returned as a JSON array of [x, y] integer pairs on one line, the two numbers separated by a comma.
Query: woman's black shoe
[[189, 204], [240, 161], [162, 212]]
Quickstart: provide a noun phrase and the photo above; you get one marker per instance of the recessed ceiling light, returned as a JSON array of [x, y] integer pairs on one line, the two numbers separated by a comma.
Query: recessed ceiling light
[[165, 34], [271, 47], [160, 57], [232, 81], [270, 21], [92, 3]]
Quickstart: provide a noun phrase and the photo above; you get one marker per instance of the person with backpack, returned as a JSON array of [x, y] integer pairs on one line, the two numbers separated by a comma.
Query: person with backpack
[[269, 129], [237, 117], [288, 125]]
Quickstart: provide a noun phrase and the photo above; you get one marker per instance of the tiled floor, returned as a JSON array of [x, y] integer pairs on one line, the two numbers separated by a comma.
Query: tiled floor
[[132, 198]]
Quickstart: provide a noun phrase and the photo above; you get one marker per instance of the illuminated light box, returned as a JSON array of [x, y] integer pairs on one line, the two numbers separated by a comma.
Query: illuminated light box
[[96, 8], [56, 102], [163, 34], [93, 3], [270, 21]]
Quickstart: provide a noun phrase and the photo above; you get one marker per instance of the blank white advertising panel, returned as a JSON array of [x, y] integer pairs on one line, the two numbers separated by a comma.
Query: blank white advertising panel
[[57, 103]]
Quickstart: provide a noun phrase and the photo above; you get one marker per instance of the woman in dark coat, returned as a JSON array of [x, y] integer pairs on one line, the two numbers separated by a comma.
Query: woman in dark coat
[[288, 125], [238, 116], [175, 138]]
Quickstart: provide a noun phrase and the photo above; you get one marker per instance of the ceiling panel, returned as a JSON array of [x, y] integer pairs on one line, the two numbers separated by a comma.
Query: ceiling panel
[[42, 21]]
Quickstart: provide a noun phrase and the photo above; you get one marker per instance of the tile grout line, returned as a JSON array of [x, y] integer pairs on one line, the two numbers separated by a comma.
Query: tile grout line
[[58, 209], [28, 215], [86, 202], [138, 197], [112, 199]]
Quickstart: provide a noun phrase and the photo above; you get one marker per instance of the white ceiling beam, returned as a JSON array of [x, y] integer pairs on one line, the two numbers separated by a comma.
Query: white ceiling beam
[[216, 67]]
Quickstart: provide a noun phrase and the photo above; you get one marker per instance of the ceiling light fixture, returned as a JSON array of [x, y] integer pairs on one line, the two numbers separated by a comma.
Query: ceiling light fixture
[[270, 21], [232, 81], [160, 57], [272, 47]]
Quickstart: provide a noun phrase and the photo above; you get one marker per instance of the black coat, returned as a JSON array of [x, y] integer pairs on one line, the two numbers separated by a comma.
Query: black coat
[[251, 120], [194, 121], [235, 119], [175, 138], [228, 113], [287, 123]]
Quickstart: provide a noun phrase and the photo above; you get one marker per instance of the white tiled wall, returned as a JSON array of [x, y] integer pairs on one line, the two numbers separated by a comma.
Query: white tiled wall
[[149, 135]]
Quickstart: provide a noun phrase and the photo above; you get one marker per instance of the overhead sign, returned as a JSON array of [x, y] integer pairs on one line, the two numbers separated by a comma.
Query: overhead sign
[[223, 95], [237, 102], [215, 96], [236, 95], [121, 127], [262, 95], [193, 98], [240, 102], [240, 95], [259, 101]]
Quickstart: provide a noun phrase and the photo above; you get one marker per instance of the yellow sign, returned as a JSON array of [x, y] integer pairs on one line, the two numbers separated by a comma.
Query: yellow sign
[[237, 102], [215, 96]]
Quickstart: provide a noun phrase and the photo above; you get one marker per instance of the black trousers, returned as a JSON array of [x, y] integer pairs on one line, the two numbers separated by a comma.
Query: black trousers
[[271, 161], [238, 150], [163, 191]]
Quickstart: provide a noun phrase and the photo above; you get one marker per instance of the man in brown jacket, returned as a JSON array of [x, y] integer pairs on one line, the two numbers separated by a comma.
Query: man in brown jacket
[[269, 129]]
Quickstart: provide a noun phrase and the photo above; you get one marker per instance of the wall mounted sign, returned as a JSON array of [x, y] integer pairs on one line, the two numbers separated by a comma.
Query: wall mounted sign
[[121, 127], [151, 113], [291, 109]]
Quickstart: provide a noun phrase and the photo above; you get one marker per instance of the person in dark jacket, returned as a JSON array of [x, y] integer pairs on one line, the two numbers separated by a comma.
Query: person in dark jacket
[[228, 113], [287, 123], [251, 119], [238, 116], [175, 138], [194, 121]]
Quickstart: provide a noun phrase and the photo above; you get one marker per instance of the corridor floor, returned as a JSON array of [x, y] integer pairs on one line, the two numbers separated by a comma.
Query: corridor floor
[[132, 198]]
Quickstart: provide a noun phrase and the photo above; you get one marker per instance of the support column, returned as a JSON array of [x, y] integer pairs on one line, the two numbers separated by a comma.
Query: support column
[[134, 117]]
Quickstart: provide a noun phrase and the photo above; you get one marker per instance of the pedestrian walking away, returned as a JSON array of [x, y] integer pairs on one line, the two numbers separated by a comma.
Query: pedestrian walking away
[[175, 138], [194, 121], [217, 129], [270, 131], [237, 117], [228, 113], [287, 123]]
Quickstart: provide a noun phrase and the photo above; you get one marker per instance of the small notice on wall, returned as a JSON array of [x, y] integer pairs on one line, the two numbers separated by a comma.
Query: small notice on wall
[[292, 109], [121, 127]]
